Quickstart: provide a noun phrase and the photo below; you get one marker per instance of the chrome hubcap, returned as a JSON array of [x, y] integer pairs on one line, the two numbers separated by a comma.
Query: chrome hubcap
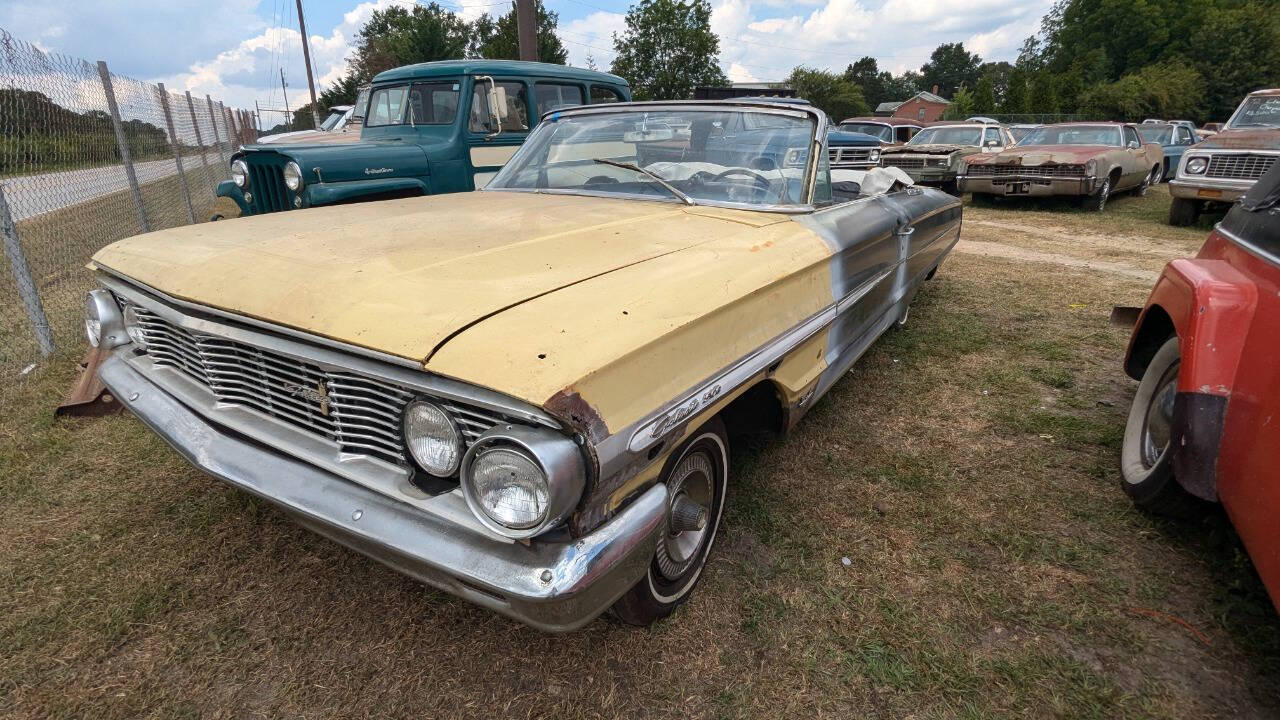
[[690, 486], [1157, 427]]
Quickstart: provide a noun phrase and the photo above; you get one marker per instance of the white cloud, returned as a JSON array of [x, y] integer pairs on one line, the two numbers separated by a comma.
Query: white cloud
[[591, 35]]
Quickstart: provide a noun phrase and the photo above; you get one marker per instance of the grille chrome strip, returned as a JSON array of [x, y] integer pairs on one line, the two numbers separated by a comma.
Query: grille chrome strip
[[1239, 166]]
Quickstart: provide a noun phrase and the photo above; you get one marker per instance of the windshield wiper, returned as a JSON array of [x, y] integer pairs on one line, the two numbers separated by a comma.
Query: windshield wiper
[[630, 166]]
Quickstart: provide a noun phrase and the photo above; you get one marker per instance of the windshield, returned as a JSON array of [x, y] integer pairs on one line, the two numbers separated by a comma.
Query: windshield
[[741, 156], [948, 136], [884, 132], [1074, 135], [1257, 112], [334, 117], [1159, 134]]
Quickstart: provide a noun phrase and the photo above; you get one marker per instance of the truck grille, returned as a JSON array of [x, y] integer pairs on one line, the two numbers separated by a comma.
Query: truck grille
[[1239, 166], [844, 157], [1013, 172], [906, 163], [361, 415], [266, 182]]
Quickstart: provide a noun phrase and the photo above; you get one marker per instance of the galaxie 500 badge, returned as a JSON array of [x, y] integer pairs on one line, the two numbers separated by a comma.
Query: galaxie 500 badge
[[674, 417]]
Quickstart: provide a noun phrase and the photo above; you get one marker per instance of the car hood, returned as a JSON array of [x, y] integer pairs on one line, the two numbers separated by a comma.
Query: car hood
[[1041, 154], [939, 149], [838, 138], [403, 276], [1242, 140], [350, 160], [319, 137]]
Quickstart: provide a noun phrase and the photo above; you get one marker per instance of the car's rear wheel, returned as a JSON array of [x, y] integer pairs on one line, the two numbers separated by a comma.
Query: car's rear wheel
[[1152, 178], [696, 477], [1146, 463], [1183, 212], [1097, 202]]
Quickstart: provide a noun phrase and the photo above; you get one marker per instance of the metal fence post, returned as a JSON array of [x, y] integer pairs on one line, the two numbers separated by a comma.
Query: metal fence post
[[123, 143], [22, 276], [231, 123], [213, 120], [204, 161], [176, 143]]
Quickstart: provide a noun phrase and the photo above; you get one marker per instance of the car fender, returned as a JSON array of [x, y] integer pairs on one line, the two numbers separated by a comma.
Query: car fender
[[331, 193], [1209, 305]]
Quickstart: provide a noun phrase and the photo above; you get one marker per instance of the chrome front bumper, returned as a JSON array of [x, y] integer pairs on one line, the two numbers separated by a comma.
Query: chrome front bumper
[[1035, 186], [1214, 189], [552, 586]]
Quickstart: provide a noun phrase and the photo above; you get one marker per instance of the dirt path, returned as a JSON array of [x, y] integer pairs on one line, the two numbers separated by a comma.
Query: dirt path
[[1013, 252]]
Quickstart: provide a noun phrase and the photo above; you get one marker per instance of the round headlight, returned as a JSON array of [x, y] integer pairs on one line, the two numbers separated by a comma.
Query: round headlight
[[240, 174], [1196, 165], [874, 156], [509, 487], [292, 176], [433, 438], [102, 323], [134, 328]]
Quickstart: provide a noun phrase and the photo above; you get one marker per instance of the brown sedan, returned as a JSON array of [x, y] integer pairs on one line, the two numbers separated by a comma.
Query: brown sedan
[[1089, 160]]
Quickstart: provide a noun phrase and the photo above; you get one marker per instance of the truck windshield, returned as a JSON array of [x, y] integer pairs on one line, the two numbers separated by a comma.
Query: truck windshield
[[884, 132], [433, 103], [739, 157], [1074, 135], [948, 136], [1258, 112], [334, 117]]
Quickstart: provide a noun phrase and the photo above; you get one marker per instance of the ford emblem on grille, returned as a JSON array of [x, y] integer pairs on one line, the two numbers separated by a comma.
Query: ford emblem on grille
[[318, 394]]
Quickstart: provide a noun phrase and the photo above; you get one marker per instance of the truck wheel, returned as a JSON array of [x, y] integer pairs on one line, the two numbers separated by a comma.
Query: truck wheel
[[952, 188], [1184, 212], [1097, 202], [697, 478], [1146, 465]]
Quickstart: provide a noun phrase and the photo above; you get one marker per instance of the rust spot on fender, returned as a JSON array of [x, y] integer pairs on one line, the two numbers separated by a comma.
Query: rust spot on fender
[[569, 406]]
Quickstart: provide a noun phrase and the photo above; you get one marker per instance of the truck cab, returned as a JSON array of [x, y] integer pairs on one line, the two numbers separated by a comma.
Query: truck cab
[[430, 128]]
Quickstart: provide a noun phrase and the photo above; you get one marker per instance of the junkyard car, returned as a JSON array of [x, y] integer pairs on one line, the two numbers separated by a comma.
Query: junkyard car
[[935, 154], [1203, 427], [890, 130], [1022, 130], [525, 396], [1090, 160], [853, 150], [1172, 139], [343, 124], [1221, 169], [432, 128]]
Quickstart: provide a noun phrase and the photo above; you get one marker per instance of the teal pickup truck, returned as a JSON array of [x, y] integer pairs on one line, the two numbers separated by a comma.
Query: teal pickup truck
[[437, 127]]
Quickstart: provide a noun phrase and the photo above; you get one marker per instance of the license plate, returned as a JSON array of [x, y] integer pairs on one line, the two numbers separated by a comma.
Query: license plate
[[1021, 188], [1209, 193]]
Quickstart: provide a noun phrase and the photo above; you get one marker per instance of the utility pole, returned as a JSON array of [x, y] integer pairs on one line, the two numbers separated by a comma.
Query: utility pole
[[527, 25], [285, 95], [257, 113], [306, 57]]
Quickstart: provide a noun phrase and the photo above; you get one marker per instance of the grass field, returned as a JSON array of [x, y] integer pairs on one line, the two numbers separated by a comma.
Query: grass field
[[966, 467]]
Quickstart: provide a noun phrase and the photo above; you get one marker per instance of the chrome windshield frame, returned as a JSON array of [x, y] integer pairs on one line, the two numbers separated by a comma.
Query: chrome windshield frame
[[817, 144]]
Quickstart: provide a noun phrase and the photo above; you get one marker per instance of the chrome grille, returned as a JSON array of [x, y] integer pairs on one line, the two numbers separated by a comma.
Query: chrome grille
[[266, 183], [906, 163], [849, 156], [1239, 166], [361, 415], [1030, 171]]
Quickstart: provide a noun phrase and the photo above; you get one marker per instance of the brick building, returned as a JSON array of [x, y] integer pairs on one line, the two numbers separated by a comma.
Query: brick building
[[924, 106]]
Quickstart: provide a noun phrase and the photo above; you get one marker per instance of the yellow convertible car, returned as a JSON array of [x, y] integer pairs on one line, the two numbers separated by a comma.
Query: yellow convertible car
[[527, 396]]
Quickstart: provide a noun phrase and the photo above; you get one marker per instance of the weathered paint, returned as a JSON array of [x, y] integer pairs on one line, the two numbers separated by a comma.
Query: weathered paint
[[1266, 139]]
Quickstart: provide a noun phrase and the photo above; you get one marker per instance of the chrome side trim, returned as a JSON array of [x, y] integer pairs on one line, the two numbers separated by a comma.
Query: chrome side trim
[[329, 355]]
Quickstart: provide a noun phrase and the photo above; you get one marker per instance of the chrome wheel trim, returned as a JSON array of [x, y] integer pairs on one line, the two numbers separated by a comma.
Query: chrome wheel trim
[[1103, 193], [693, 477], [1157, 424], [682, 588]]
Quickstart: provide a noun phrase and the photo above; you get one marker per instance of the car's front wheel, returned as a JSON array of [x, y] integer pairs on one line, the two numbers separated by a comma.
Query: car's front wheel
[[1146, 463], [696, 478], [1097, 202], [1183, 212]]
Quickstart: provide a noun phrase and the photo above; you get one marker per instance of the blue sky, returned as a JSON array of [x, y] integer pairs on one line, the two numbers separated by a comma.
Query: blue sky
[[233, 49]]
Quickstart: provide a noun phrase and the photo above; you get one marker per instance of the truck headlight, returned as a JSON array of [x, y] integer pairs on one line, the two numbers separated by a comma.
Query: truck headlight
[[292, 176], [520, 481], [102, 323], [432, 438], [1197, 165], [240, 174], [874, 155]]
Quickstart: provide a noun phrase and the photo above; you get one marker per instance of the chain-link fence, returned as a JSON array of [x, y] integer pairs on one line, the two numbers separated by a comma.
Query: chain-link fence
[[88, 157]]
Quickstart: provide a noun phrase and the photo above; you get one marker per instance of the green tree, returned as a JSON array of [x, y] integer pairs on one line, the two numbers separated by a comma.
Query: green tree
[[984, 95], [1160, 90], [342, 92], [877, 85], [1044, 95], [1017, 95], [397, 36], [951, 67], [668, 49], [837, 96], [500, 39], [962, 105]]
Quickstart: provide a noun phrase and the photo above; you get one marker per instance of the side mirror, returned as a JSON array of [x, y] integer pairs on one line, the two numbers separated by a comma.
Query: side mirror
[[497, 102], [993, 143], [1133, 145]]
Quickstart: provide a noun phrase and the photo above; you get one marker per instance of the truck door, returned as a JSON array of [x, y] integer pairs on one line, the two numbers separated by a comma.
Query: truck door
[[495, 133]]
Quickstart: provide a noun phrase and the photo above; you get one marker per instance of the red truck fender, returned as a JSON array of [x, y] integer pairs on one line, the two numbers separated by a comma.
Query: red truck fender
[[1209, 305]]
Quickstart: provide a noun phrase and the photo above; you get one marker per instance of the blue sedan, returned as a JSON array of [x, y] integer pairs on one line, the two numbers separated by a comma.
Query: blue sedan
[[1175, 139]]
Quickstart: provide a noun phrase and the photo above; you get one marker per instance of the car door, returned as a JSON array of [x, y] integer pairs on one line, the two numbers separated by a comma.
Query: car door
[[1135, 167], [489, 147], [992, 135]]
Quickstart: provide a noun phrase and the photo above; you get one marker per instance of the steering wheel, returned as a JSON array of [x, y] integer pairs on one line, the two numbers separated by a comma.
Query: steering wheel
[[760, 181]]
